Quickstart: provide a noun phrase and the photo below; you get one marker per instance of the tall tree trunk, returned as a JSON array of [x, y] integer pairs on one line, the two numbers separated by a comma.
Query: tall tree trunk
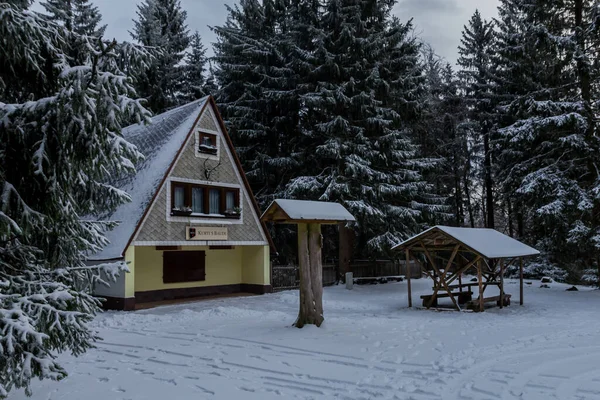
[[511, 229], [583, 68], [489, 189], [483, 208], [598, 266], [458, 195], [468, 197], [310, 243], [520, 222]]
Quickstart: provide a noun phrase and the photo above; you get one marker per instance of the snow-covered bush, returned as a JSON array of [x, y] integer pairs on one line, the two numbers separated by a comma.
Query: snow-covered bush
[[538, 270], [590, 277]]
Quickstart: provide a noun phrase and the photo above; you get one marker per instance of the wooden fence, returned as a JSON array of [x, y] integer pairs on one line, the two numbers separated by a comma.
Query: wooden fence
[[286, 277], [379, 268]]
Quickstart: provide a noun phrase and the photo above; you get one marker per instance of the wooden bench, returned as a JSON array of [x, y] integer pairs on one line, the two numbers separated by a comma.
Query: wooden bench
[[463, 297], [474, 304], [470, 285]]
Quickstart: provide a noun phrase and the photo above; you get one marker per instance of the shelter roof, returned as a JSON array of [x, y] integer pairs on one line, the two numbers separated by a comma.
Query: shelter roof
[[488, 243], [303, 211]]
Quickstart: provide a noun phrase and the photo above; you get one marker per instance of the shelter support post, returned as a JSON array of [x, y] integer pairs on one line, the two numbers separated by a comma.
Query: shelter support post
[[408, 272], [501, 283], [521, 280], [311, 278], [480, 279]]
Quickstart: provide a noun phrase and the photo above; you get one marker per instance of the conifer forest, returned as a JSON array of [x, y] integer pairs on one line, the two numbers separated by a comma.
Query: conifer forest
[[329, 100]]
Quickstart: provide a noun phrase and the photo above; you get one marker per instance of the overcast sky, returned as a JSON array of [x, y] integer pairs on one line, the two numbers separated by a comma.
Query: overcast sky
[[438, 22]]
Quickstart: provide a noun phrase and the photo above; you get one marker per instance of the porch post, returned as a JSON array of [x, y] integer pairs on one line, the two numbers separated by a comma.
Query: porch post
[[521, 280], [480, 278], [501, 282], [408, 271]]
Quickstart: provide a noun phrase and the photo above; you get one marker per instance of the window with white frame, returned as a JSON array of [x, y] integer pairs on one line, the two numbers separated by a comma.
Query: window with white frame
[[204, 200]]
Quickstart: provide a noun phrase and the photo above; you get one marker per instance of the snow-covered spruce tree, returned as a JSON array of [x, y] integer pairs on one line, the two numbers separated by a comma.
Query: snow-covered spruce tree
[[80, 16], [210, 86], [161, 25], [258, 74], [194, 81], [368, 84], [476, 50], [255, 55], [59, 144], [548, 77], [442, 133]]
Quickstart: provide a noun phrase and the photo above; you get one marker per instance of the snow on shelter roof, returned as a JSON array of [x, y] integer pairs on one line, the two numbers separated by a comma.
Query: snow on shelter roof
[[159, 142], [281, 210], [488, 242]]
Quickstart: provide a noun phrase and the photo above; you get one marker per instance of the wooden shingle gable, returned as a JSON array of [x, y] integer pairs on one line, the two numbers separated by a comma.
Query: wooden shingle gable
[[208, 118]]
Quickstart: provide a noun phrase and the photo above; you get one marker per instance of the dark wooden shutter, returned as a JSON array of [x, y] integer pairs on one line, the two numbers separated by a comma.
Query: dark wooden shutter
[[184, 266]]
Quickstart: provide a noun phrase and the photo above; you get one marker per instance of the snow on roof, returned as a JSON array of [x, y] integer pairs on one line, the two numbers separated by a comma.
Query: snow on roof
[[311, 210], [488, 242], [159, 142]]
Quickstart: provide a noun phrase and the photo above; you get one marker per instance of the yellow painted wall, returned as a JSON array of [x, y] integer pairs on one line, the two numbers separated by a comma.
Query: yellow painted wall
[[223, 267], [256, 268], [242, 264], [130, 277]]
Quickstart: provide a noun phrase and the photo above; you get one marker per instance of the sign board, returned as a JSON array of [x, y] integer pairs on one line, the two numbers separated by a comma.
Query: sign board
[[205, 233]]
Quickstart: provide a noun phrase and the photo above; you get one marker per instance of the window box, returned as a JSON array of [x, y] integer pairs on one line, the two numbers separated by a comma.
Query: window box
[[234, 213], [181, 212], [207, 149]]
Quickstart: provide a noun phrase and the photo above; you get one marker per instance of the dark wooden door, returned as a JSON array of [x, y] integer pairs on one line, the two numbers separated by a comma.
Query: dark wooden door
[[184, 266]]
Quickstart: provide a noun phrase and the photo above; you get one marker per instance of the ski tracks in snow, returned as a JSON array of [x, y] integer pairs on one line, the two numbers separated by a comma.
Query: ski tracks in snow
[[265, 369], [370, 347], [560, 365]]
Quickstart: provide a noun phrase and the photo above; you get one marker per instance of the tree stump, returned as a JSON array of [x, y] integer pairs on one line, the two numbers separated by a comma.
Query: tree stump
[[310, 243]]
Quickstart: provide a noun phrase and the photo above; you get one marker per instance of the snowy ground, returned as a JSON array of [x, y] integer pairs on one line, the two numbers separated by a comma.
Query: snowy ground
[[370, 346]]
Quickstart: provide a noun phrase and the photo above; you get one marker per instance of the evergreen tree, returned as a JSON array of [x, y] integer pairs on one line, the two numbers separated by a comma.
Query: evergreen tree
[[194, 82], [161, 25], [548, 79], [443, 134], [79, 16], [257, 54], [259, 91], [367, 90], [476, 50], [60, 143], [211, 87]]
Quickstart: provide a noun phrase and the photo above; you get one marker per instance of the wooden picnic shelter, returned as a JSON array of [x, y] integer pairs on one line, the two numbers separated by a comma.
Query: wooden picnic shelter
[[446, 253]]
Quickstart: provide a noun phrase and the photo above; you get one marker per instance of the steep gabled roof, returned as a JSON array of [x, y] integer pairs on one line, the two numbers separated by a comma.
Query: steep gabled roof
[[489, 243], [159, 142]]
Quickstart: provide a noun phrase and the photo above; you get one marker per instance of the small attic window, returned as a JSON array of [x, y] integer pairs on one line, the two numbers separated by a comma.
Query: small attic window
[[207, 143]]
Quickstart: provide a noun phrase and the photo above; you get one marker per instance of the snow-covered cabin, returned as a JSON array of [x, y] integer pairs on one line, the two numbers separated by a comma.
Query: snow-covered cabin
[[192, 227]]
